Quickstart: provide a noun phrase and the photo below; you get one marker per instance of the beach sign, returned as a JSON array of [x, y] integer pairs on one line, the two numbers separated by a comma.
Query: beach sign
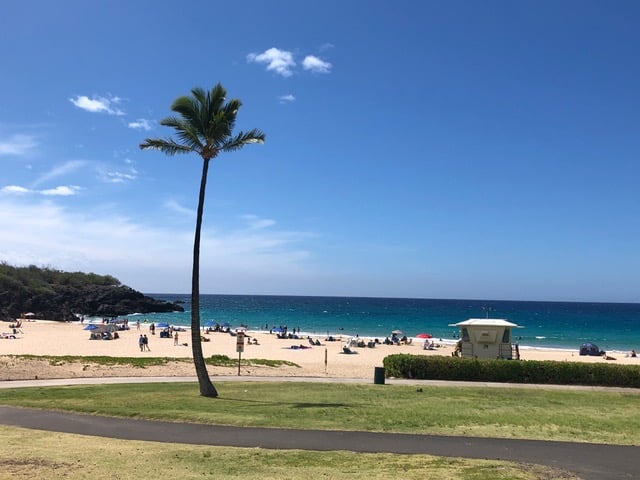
[[239, 348]]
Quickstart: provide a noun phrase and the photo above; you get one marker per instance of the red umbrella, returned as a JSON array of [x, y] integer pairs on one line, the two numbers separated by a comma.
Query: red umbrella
[[424, 335]]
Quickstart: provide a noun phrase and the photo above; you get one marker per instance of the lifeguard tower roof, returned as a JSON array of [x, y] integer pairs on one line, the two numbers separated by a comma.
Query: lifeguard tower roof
[[485, 322]]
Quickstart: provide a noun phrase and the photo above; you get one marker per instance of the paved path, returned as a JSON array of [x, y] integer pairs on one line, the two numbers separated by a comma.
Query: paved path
[[589, 461]]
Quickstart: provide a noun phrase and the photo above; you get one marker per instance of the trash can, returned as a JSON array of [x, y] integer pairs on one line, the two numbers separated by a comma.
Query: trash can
[[378, 375]]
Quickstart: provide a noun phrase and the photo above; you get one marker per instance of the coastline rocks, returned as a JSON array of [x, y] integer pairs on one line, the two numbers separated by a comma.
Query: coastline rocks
[[55, 295], [123, 301], [100, 301]]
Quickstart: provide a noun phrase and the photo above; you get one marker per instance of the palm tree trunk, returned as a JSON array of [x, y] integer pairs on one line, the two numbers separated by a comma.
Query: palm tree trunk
[[206, 387]]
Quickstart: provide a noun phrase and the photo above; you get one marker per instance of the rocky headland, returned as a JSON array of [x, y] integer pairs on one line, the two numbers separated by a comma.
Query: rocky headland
[[57, 295]]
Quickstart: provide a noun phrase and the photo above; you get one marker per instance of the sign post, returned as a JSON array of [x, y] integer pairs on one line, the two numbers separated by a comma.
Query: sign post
[[239, 348], [325, 359]]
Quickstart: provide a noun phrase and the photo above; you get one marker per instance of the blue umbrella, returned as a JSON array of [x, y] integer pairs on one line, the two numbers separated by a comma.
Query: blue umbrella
[[226, 324], [278, 330], [210, 323], [162, 325], [90, 327]]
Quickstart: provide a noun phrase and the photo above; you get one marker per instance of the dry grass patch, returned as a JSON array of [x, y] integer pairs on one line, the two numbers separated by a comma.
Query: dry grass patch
[[28, 454]]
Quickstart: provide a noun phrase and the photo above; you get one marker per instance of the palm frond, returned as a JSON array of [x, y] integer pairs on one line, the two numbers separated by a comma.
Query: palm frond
[[185, 132], [216, 98], [165, 145], [189, 109], [173, 122], [242, 139], [215, 128]]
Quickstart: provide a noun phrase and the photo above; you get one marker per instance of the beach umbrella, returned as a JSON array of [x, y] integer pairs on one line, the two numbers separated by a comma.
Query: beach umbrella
[[424, 335], [210, 323], [162, 325], [90, 327], [278, 330], [226, 324]]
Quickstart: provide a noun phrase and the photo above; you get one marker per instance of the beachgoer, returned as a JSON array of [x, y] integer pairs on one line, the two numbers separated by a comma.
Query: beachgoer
[[146, 344], [633, 354], [138, 325], [141, 343], [175, 338]]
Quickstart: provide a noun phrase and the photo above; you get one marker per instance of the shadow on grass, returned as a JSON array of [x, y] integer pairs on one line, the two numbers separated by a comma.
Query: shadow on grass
[[297, 405]]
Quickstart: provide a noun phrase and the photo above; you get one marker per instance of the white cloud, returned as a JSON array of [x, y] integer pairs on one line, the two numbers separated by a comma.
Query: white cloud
[[98, 104], [61, 191], [174, 206], [276, 60], [150, 255], [119, 177], [286, 98], [59, 171], [256, 223], [17, 145], [14, 189], [140, 124], [316, 65]]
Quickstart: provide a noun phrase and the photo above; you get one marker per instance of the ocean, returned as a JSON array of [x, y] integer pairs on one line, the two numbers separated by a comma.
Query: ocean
[[566, 325]]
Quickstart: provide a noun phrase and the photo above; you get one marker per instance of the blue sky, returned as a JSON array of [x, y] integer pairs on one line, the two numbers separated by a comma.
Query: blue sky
[[414, 149]]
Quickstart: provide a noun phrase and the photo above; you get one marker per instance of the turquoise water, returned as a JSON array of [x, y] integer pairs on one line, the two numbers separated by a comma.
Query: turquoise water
[[612, 326]]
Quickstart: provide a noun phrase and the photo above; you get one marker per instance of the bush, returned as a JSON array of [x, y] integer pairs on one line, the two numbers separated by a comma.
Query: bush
[[511, 371]]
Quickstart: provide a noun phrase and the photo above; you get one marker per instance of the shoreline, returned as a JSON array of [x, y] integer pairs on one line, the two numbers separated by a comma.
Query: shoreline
[[49, 338], [562, 325]]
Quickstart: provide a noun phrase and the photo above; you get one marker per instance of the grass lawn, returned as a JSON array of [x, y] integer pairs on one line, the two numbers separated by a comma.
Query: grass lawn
[[582, 416]]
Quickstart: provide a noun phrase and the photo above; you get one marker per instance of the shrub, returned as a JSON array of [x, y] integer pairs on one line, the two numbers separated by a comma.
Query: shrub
[[511, 371]]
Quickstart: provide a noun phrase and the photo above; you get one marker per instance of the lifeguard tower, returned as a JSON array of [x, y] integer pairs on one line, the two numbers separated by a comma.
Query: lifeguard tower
[[487, 338]]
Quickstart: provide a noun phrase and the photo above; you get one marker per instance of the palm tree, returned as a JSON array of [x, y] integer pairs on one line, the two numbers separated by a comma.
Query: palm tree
[[204, 126]]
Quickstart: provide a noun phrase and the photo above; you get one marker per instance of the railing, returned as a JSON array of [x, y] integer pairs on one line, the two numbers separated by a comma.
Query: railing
[[515, 352]]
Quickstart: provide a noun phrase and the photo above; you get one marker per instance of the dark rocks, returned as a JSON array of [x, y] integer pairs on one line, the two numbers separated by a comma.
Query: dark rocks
[[56, 295]]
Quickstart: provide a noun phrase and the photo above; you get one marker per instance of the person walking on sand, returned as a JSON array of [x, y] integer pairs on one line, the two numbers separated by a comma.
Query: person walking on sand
[[146, 344], [141, 343], [175, 338]]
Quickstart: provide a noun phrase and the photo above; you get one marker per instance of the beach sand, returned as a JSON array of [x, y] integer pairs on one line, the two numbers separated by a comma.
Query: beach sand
[[328, 360]]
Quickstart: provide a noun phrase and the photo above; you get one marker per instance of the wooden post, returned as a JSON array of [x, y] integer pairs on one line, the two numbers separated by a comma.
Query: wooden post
[[325, 359]]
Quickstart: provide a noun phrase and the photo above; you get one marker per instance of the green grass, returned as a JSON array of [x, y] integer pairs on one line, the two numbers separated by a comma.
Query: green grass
[[104, 360], [225, 361], [144, 362], [27, 454], [593, 416]]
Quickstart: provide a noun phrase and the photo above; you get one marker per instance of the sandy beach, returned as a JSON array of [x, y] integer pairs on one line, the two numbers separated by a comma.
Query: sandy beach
[[327, 360]]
